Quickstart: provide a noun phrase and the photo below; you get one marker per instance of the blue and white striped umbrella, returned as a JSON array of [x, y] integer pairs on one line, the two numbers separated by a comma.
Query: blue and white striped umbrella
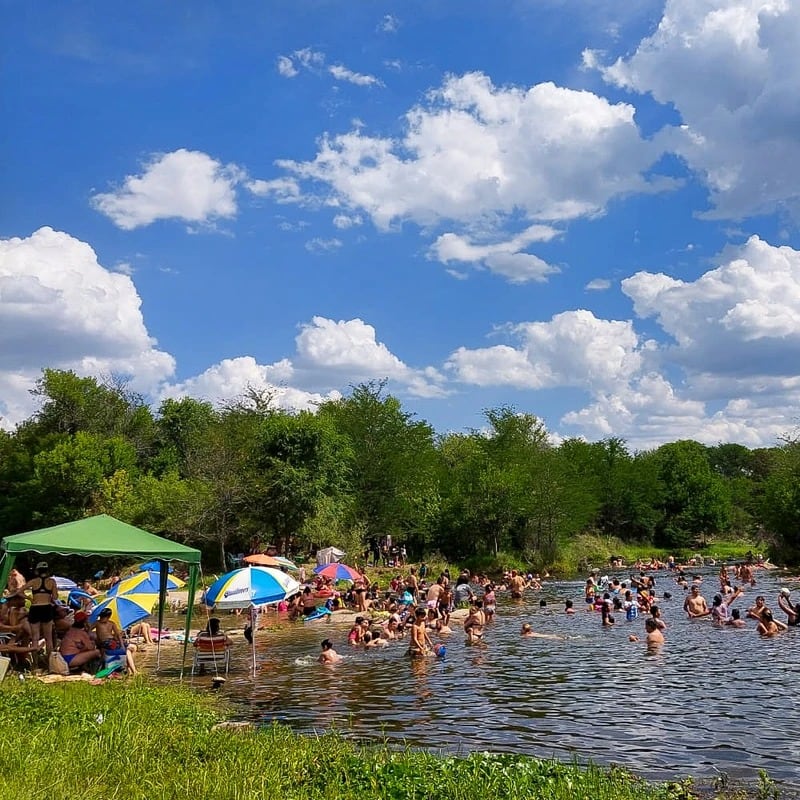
[[250, 586]]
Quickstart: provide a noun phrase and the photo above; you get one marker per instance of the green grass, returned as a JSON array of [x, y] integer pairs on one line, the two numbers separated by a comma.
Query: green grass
[[131, 740]]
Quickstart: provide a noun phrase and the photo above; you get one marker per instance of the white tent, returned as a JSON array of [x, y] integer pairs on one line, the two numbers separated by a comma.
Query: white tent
[[329, 555]]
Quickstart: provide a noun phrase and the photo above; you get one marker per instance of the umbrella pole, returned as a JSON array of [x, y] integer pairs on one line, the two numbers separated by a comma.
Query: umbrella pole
[[162, 597], [254, 628]]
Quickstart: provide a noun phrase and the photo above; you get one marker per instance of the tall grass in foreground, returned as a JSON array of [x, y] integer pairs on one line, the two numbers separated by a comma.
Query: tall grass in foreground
[[130, 740]]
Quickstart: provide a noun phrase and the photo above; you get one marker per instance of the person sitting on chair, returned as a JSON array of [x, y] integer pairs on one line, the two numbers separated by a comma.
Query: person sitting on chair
[[111, 641], [212, 640], [77, 646]]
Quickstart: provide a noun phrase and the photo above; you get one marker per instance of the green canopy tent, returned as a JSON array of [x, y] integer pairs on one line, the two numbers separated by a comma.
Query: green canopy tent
[[105, 536]]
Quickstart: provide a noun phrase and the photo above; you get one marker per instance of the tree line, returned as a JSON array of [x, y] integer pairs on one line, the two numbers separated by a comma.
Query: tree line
[[360, 468]]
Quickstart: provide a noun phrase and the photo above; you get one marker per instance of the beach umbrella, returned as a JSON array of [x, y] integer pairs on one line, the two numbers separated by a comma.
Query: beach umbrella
[[126, 609], [250, 586], [144, 583], [64, 584], [338, 572], [262, 560], [285, 562], [152, 566]]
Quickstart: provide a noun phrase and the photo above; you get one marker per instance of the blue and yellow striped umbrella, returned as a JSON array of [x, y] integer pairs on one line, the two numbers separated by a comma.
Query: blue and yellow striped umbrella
[[126, 609], [144, 583]]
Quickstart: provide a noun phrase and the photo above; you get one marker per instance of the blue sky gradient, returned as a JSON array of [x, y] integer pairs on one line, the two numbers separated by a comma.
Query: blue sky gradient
[[586, 212]]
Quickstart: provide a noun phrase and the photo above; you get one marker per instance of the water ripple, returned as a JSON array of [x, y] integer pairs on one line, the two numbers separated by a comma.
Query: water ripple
[[711, 700]]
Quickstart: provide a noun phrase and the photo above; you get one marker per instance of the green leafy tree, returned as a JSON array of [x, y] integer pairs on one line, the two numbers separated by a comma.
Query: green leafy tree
[[68, 475], [301, 459], [182, 429], [780, 507], [695, 500], [70, 405], [393, 467]]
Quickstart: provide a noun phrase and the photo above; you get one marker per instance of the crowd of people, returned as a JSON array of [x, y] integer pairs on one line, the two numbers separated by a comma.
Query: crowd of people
[[35, 623], [421, 612]]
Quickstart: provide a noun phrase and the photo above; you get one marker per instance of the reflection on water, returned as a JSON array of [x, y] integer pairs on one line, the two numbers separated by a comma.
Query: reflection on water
[[711, 700]]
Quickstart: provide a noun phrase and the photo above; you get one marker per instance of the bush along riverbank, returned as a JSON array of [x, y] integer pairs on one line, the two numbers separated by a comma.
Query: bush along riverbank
[[132, 741]]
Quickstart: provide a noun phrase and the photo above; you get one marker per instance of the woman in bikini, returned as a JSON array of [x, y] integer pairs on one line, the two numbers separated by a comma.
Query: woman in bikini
[[44, 594]]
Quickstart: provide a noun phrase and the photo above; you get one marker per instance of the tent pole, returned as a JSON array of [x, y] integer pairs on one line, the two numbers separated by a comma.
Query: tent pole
[[6, 565], [163, 574], [193, 568]]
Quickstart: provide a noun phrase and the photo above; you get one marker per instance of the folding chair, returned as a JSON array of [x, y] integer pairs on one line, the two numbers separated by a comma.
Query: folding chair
[[216, 658]]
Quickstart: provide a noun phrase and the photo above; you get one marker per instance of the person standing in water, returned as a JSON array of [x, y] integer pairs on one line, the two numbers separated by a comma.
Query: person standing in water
[[695, 605], [420, 644]]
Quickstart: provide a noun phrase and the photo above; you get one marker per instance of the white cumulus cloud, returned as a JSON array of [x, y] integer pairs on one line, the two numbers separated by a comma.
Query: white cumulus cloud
[[504, 258], [741, 117], [742, 317], [476, 149], [330, 355], [574, 348], [185, 184], [60, 308]]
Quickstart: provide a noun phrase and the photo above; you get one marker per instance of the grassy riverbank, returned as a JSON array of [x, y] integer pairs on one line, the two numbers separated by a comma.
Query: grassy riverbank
[[132, 740]]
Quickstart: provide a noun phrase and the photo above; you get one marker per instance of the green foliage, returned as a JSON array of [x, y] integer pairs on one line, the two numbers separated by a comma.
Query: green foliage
[[362, 467], [695, 500], [780, 507], [71, 472], [393, 477]]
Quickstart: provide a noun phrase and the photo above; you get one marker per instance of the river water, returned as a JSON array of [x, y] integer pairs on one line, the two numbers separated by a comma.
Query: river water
[[711, 701]]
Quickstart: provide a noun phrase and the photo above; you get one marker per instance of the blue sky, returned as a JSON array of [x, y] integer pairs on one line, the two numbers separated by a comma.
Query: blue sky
[[586, 212]]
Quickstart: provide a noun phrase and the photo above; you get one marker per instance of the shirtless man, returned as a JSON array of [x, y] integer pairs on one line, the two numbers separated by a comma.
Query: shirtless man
[[757, 611], [16, 580], [412, 583], [654, 636], [434, 593], [695, 605], [516, 584]]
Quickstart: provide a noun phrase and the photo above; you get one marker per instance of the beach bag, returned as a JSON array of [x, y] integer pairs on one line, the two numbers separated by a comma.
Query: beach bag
[[57, 665]]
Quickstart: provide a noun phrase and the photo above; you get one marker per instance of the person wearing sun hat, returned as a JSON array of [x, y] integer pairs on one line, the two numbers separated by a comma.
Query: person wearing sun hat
[[44, 595]]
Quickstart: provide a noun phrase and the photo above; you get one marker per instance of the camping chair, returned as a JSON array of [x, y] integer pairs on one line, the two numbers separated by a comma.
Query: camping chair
[[216, 658]]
